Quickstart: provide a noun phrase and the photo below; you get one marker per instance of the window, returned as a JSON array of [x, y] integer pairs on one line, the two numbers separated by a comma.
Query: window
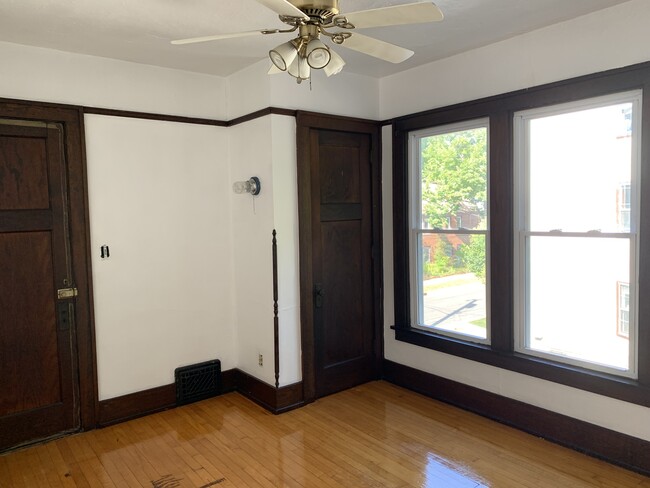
[[449, 168], [623, 309], [571, 251], [561, 233]]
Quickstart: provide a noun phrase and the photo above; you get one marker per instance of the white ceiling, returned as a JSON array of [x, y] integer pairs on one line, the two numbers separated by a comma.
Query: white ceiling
[[140, 30]]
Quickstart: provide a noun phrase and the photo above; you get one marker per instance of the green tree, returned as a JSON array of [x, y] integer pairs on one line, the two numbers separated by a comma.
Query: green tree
[[454, 172], [441, 263], [472, 255]]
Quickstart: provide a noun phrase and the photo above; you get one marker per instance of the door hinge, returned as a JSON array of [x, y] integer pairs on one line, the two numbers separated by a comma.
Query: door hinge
[[65, 293]]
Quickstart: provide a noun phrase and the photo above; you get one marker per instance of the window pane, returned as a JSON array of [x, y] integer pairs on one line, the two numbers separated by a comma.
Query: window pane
[[574, 294], [580, 170], [453, 185], [453, 284]]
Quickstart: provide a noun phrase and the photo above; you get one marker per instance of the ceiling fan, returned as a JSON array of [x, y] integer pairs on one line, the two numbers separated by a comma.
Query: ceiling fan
[[313, 18]]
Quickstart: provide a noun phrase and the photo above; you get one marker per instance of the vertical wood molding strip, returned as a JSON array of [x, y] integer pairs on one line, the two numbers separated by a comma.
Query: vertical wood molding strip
[[276, 322]]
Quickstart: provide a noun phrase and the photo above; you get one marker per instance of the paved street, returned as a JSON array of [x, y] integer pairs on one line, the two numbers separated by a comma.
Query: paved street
[[453, 302]]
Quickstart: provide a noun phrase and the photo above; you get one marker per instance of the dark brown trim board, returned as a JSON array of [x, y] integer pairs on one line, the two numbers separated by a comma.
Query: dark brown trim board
[[275, 400], [153, 116], [611, 446], [190, 120], [145, 402], [111, 112], [137, 404], [261, 113], [276, 319]]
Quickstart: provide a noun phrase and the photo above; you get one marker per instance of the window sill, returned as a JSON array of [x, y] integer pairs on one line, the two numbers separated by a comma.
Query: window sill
[[624, 389]]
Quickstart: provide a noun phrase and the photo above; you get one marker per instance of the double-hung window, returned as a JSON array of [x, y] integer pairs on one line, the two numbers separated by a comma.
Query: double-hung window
[[521, 228], [449, 215], [576, 169]]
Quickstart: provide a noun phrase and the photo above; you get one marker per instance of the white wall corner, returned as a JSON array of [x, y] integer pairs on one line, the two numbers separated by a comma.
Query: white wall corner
[[345, 94], [285, 204], [252, 226], [248, 90]]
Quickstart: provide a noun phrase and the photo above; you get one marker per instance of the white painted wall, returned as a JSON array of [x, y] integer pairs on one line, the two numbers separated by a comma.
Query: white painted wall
[[266, 148], [189, 277], [249, 90], [160, 198], [252, 225], [285, 204], [32, 73], [347, 94], [607, 39]]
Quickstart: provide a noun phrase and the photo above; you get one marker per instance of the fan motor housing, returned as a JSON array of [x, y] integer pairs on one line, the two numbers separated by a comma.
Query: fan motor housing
[[324, 9]]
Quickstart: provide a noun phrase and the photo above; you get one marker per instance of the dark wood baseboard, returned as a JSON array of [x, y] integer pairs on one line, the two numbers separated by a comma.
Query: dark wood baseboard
[[138, 404], [611, 446], [275, 400]]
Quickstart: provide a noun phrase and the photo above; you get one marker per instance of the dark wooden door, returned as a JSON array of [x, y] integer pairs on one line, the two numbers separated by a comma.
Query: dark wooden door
[[341, 275], [38, 373]]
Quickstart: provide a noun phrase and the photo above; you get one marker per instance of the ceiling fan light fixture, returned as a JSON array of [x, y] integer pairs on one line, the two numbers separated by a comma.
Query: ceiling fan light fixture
[[318, 54], [283, 55], [335, 65], [299, 69], [315, 18]]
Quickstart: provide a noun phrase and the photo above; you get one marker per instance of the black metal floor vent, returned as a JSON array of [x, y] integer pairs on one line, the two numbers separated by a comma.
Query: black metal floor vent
[[197, 382]]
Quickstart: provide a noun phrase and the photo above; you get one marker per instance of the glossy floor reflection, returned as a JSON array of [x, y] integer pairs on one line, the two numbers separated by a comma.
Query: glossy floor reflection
[[376, 435]]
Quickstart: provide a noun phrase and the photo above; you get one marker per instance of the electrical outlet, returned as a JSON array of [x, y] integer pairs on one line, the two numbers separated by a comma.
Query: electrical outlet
[[260, 360]]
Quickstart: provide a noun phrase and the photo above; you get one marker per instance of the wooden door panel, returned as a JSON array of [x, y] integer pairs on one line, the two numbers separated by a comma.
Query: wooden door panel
[[29, 323], [37, 377], [339, 174], [23, 168], [344, 323], [342, 267]]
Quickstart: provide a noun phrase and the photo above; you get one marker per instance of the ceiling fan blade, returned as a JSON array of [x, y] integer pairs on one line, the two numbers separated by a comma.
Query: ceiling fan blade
[[411, 13], [375, 47], [193, 40], [282, 7]]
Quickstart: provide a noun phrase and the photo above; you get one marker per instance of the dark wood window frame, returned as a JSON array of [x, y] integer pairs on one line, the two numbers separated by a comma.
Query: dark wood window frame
[[500, 110]]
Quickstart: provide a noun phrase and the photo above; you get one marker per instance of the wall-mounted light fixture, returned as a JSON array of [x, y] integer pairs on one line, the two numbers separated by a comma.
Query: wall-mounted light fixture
[[252, 186]]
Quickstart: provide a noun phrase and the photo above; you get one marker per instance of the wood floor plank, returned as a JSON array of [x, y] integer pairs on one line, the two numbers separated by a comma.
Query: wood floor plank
[[376, 435]]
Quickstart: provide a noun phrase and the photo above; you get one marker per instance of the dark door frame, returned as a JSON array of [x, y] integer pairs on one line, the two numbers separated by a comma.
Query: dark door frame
[[71, 119], [305, 122]]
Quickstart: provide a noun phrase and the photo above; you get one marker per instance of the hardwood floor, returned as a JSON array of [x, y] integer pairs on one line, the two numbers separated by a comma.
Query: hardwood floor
[[375, 435]]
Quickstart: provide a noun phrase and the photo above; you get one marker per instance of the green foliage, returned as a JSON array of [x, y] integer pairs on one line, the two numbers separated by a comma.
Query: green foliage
[[454, 172], [472, 256], [442, 263]]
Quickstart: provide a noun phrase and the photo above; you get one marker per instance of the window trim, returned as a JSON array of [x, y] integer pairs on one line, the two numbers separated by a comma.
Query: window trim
[[500, 110]]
